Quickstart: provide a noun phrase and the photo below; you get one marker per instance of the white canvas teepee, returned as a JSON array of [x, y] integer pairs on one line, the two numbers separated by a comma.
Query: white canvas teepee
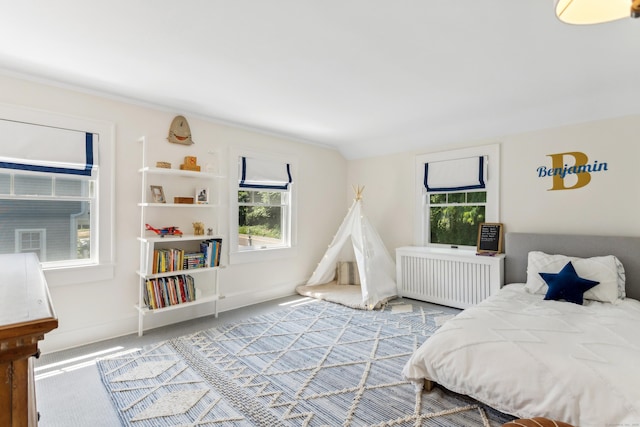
[[375, 265]]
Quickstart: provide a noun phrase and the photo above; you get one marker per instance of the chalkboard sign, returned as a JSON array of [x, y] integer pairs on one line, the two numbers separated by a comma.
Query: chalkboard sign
[[490, 238]]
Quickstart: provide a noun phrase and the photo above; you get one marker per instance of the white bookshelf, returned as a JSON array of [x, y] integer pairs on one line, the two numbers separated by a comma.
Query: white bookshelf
[[206, 279]]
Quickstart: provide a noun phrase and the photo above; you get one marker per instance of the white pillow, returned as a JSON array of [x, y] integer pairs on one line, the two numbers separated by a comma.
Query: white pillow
[[603, 269], [347, 272]]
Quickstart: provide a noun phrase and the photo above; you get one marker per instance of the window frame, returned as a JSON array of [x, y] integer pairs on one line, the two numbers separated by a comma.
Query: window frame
[[238, 256], [42, 233], [422, 229], [101, 267]]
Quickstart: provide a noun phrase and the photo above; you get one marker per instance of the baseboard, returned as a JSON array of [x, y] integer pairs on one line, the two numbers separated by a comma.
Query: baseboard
[[59, 340], [234, 300]]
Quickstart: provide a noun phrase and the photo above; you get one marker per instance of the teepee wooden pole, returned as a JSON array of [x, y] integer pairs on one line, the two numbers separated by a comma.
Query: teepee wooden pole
[[358, 190]]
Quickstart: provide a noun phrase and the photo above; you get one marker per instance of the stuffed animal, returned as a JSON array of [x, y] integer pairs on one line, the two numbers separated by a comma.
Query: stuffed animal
[[198, 228]]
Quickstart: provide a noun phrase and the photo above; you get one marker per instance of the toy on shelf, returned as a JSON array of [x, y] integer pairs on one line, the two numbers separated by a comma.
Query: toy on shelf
[[190, 164], [165, 231], [198, 228]]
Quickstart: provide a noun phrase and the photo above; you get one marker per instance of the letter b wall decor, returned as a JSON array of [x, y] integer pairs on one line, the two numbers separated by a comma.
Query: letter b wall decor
[[560, 169]]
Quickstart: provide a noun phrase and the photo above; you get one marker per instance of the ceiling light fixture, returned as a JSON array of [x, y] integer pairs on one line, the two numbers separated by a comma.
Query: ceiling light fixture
[[584, 12]]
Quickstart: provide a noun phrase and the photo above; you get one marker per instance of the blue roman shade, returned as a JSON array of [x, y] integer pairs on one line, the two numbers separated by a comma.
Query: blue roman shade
[[36, 148], [264, 174], [455, 175]]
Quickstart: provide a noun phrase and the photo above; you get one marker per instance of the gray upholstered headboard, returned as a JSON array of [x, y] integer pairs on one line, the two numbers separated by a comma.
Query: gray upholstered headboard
[[627, 249]]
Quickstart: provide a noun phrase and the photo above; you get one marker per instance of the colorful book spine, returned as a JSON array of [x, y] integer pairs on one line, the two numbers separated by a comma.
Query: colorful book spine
[[167, 291]]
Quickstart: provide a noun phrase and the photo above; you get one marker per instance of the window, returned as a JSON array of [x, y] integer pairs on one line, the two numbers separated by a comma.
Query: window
[[454, 217], [456, 191], [59, 206], [52, 169], [32, 241], [263, 219], [262, 208]]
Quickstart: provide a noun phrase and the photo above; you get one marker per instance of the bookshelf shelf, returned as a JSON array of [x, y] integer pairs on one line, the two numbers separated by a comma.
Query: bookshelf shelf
[[180, 172], [160, 290], [177, 205], [177, 272], [185, 237], [143, 310]]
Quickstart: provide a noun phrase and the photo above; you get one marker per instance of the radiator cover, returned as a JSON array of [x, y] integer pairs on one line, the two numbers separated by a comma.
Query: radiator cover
[[455, 278]]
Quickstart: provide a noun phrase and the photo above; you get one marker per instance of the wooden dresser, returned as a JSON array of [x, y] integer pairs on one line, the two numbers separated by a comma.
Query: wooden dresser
[[26, 314]]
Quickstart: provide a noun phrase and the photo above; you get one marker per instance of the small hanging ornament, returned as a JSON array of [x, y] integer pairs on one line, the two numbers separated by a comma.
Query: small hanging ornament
[[179, 131]]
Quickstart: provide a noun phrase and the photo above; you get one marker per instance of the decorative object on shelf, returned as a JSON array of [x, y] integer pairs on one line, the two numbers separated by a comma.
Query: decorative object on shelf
[[202, 196], [190, 164], [209, 231], [198, 229], [164, 231], [183, 200], [179, 131], [163, 165], [158, 194]]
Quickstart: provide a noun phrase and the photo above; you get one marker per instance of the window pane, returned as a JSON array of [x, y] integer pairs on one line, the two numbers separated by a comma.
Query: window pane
[[72, 187], [456, 225], [260, 226], [29, 240], [56, 230], [267, 198], [477, 197], [5, 183], [438, 198], [457, 197], [260, 217], [27, 185]]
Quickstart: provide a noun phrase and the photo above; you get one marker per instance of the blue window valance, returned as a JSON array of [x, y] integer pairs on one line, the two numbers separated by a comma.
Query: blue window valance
[[36, 148], [264, 174], [455, 175]]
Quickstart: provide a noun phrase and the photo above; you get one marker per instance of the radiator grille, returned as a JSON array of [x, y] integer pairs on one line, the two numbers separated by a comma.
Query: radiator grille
[[456, 282]]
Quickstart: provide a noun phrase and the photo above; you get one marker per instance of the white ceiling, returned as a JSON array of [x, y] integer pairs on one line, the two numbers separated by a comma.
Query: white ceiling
[[369, 77]]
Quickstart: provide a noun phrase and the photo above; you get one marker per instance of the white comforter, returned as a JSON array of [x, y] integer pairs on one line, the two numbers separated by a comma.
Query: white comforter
[[529, 357]]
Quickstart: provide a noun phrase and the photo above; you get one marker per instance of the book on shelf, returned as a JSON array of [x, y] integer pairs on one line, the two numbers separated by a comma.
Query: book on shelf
[[212, 249], [167, 291], [174, 259], [165, 260], [193, 260]]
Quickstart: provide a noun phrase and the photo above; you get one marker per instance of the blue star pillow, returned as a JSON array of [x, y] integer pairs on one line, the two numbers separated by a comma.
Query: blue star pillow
[[566, 285]]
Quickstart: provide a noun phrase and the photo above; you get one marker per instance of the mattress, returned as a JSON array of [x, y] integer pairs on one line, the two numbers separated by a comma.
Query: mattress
[[529, 357]]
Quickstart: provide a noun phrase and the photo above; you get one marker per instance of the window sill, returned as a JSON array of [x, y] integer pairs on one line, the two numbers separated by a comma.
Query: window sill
[[261, 255], [62, 276]]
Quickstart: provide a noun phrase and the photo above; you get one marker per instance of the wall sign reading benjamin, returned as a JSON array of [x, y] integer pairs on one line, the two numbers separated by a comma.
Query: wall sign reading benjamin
[[570, 170], [490, 238]]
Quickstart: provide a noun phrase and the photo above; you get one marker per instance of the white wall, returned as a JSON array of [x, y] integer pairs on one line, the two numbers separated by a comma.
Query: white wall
[[608, 205], [93, 311], [96, 310]]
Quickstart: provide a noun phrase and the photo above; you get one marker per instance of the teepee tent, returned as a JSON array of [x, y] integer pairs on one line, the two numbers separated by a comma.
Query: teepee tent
[[375, 266]]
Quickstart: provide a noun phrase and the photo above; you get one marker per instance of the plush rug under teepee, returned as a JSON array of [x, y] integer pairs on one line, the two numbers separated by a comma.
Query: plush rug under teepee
[[318, 364], [349, 295]]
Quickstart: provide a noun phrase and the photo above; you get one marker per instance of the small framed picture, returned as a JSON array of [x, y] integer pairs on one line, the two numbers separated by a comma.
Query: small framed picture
[[202, 196], [157, 193]]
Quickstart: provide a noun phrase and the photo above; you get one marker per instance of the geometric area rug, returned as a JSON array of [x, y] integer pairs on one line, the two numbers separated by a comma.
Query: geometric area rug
[[317, 364]]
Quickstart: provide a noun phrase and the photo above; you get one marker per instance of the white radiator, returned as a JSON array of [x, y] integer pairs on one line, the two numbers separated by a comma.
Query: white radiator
[[454, 278]]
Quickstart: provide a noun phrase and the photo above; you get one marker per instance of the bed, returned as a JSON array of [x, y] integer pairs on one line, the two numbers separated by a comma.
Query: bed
[[531, 357]]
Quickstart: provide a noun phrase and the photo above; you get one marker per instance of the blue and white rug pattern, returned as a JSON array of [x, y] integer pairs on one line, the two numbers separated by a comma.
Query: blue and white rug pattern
[[318, 364]]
